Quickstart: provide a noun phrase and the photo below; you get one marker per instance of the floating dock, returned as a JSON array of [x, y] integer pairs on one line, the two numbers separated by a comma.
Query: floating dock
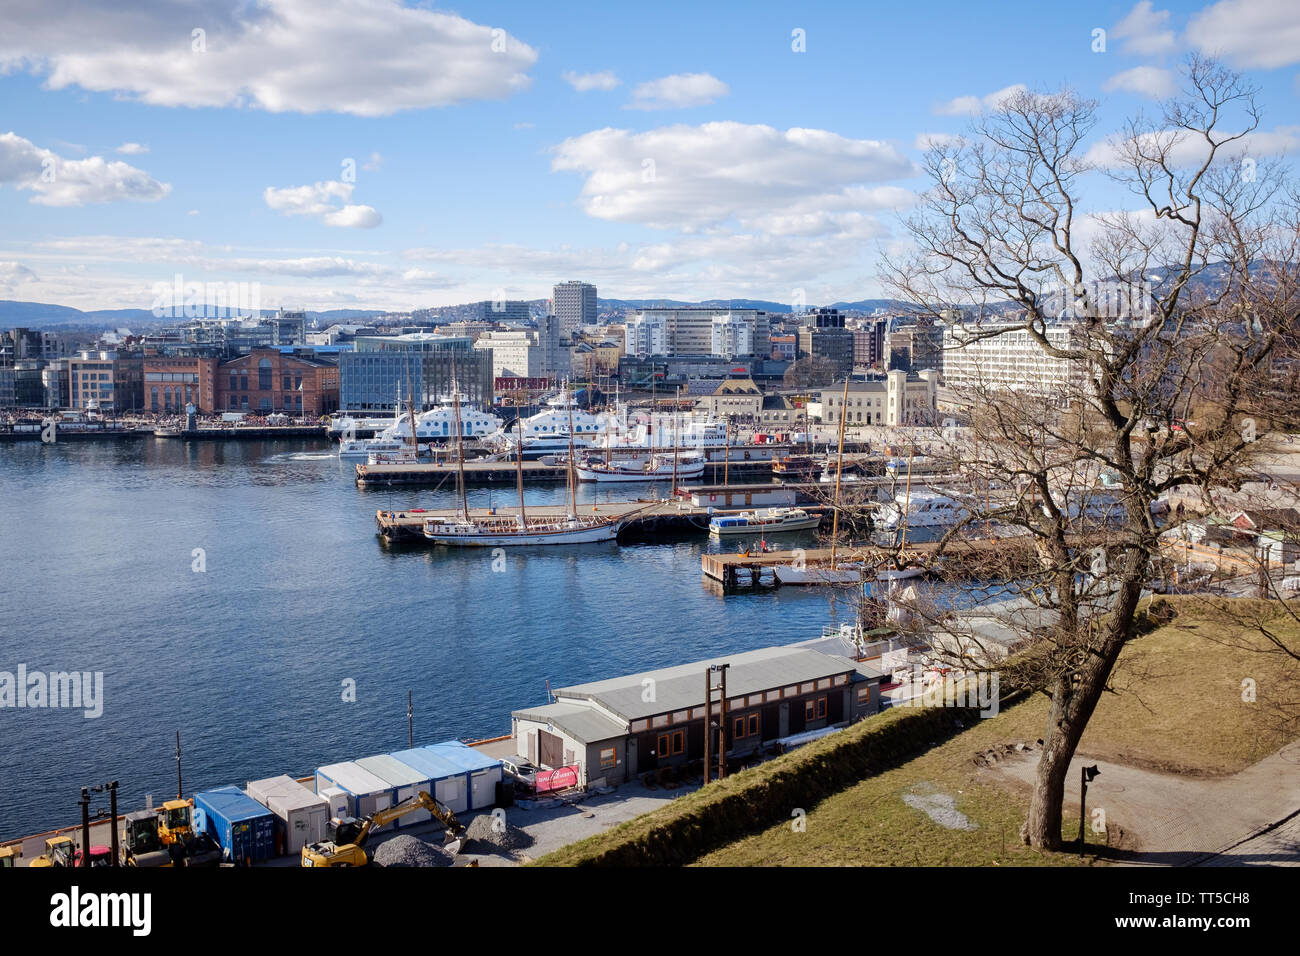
[[243, 434], [971, 558]]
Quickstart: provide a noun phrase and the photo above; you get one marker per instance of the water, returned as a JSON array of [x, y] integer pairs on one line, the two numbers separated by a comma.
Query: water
[[247, 658]]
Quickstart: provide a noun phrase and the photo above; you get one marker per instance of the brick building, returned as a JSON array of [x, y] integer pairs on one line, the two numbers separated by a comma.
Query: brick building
[[268, 380], [173, 381]]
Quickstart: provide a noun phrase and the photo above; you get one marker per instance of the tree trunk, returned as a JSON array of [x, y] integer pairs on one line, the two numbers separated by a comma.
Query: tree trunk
[[1074, 698]]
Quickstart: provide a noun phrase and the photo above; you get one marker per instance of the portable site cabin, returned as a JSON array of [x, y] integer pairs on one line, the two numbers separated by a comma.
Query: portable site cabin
[[302, 816], [463, 778], [367, 794], [405, 782], [243, 827]]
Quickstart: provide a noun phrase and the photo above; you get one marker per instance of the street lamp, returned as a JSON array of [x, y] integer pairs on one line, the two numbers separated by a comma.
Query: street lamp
[[1087, 775]]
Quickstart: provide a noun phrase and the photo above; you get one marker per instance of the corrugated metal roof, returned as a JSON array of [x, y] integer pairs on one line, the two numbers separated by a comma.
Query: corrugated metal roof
[[392, 770], [231, 803], [425, 761], [683, 686], [580, 721], [464, 757]]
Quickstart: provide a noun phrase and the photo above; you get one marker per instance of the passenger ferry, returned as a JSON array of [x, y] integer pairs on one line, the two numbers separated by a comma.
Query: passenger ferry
[[686, 468], [770, 521]]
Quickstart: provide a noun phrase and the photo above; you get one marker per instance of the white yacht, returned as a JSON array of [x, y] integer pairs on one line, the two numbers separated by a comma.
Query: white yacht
[[666, 433], [436, 425], [920, 508]]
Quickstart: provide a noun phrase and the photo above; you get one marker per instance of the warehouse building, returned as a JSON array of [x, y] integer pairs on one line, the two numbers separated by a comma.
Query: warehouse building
[[614, 730]]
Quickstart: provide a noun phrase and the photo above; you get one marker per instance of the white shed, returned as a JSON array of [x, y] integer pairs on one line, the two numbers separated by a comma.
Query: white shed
[[303, 815], [405, 781], [366, 792]]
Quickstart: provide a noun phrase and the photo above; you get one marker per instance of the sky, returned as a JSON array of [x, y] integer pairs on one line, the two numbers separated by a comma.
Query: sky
[[380, 155]]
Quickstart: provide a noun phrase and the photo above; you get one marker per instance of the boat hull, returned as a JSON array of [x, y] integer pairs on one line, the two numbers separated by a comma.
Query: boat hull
[[775, 527], [504, 539], [684, 473]]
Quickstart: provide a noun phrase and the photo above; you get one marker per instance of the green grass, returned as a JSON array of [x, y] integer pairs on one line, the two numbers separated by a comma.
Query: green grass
[[1177, 706]]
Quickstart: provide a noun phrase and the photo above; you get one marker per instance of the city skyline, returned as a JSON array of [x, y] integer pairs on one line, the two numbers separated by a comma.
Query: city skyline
[[226, 146]]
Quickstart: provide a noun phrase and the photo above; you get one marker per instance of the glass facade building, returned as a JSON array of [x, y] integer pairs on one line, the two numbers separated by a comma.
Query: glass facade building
[[384, 367]]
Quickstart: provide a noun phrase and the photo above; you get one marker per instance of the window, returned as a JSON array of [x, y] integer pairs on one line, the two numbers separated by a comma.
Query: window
[[671, 744], [815, 709], [864, 696], [608, 757], [264, 375]]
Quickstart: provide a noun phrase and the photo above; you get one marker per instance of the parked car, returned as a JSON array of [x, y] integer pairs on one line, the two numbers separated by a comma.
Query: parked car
[[522, 769]]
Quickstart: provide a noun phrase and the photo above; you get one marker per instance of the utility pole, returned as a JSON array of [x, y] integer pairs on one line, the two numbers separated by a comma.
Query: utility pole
[[85, 827], [410, 721], [708, 718], [722, 725], [180, 790]]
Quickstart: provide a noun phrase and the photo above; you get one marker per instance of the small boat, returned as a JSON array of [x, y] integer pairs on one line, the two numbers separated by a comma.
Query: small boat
[[495, 531], [789, 574], [657, 468], [772, 520]]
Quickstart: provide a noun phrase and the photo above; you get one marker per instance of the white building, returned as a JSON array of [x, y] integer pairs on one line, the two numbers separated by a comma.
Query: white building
[[898, 399], [733, 335], [526, 353], [1011, 359], [689, 331], [646, 335]]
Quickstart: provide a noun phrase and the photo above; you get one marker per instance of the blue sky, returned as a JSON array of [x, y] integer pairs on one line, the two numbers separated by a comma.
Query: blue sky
[[481, 170]]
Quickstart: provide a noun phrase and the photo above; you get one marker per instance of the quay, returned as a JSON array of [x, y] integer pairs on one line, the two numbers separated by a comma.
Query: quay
[[971, 558], [646, 519], [243, 434], [479, 472]]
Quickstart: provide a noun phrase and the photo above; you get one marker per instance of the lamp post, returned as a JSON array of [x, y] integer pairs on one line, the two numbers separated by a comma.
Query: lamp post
[[1086, 776]]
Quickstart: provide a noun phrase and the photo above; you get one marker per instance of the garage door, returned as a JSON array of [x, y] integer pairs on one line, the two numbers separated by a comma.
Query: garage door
[[550, 749]]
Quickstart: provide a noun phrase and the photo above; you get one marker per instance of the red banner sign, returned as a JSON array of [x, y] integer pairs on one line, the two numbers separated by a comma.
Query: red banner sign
[[560, 778]]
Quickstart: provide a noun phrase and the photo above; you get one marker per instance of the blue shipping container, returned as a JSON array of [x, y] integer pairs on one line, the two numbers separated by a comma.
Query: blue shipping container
[[244, 828]]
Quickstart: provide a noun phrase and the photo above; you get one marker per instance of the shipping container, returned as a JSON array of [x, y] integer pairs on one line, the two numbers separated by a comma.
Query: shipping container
[[405, 781], [484, 772], [367, 794], [301, 815], [243, 827]]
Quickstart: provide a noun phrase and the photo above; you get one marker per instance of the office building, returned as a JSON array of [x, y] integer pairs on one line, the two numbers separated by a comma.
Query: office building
[[574, 305]]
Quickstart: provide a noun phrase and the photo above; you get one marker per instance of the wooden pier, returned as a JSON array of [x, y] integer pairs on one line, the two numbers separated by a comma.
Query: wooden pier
[[973, 558]]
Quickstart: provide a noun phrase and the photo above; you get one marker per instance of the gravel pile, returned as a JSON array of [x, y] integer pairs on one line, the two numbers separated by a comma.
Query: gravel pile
[[409, 851], [496, 833]]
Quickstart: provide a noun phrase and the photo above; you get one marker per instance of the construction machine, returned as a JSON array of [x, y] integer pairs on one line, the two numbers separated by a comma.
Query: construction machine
[[143, 845], [9, 856], [59, 851], [176, 834], [347, 836]]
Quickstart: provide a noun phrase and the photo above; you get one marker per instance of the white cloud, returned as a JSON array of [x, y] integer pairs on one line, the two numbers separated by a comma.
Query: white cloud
[[131, 149], [13, 274], [927, 140], [375, 161], [703, 177], [973, 105], [72, 182], [1145, 81], [1192, 151], [1145, 31], [583, 82], [678, 91], [192, 212], [325, 201], [1254, 34], [366, 57]]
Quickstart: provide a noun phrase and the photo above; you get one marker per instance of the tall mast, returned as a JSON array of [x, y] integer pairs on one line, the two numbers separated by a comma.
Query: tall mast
[[907, 498], [677, 428], [573, 498], [410, 400], [460, 444], [839, 472], [519, 472]]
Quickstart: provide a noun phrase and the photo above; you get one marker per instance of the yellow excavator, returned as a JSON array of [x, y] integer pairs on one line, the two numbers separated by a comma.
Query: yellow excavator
[[347, 836], [9, 856]]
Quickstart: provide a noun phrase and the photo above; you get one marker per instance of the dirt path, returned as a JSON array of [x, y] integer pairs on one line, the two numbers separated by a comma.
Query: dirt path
[[1251, 817]]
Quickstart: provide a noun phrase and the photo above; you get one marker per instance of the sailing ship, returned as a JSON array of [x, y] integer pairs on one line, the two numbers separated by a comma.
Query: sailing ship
[[492, 531]]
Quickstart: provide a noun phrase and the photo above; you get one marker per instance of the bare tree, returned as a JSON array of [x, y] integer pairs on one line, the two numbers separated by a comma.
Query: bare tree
[[1150, 343]]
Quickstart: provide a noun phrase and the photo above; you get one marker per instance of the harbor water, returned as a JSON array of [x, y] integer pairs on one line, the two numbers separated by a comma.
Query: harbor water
[[237, 592]]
